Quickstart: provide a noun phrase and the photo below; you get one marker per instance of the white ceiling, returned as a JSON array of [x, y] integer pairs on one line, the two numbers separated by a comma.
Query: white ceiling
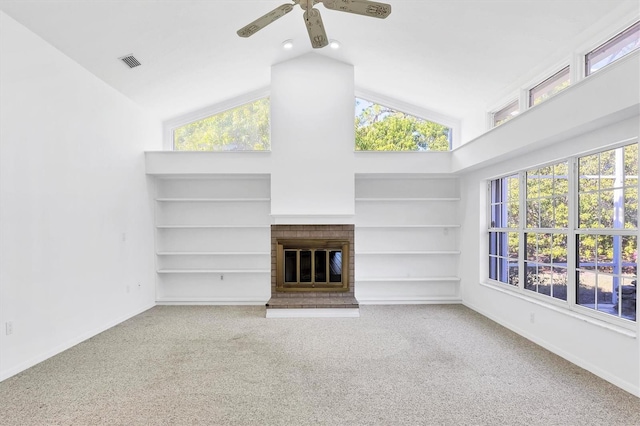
[[448, 56]]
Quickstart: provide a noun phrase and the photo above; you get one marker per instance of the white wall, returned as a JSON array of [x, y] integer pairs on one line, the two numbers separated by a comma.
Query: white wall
[[76, 247], [610, 352], [312, 137]]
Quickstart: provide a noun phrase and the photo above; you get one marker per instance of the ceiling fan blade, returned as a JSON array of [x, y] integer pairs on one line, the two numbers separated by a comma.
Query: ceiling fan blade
[[315, 28], [360, 7], [265, 20]]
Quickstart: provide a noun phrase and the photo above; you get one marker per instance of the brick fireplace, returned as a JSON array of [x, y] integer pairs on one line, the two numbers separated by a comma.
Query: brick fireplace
[[320, 243]]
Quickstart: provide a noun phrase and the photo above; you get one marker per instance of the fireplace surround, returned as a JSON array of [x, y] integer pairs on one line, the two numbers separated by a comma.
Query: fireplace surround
[[312, 266]]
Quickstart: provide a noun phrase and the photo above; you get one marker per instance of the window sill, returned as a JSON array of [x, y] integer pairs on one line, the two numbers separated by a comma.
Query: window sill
[[625, 331]]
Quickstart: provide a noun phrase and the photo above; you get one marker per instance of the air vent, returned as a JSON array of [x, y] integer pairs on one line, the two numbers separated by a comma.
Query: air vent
[[130, 60]]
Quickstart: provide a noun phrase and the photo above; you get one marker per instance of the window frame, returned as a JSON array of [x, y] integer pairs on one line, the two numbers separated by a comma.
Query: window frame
[[612, 41], [554, 78], [452, 131], [572, 232], [507, 112]]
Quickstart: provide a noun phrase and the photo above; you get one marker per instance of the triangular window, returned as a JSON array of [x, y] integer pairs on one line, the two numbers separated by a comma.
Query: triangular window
[[245, 128], [380, 128]]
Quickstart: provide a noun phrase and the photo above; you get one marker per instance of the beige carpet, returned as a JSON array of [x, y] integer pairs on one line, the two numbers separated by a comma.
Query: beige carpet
[[395, 365]]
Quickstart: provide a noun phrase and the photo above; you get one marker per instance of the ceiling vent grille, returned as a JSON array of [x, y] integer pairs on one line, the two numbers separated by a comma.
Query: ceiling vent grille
[[130, 60]]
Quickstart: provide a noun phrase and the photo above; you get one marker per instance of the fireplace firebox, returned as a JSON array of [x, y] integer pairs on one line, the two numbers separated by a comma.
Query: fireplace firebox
[[304, 265], [312, 266]]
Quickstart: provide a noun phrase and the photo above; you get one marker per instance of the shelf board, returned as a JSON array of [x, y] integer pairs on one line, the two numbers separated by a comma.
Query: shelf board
[[416, 252], [210, 226], [406, 226], [214, 271], [212, 253], [406, 279], [210, 200], [410, 199]]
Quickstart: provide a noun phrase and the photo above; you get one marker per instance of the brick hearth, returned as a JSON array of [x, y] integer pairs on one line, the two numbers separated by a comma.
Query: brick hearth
[[342, 299]]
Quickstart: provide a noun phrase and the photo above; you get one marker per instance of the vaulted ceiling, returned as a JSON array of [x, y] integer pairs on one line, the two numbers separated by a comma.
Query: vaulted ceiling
[[448, 56]]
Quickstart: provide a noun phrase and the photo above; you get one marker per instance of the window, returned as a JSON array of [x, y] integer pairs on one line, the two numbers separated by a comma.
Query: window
[[503, 232], [606, 239], [506, 113], [554, 84], [546, 230], [380, 128], [245, 128], [584, 208], [614, 49]]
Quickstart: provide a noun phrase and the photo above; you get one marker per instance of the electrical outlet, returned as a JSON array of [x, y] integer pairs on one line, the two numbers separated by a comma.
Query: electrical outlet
[[532, 317], [124, 237], [9, 328], [221, 277], [128, 288]]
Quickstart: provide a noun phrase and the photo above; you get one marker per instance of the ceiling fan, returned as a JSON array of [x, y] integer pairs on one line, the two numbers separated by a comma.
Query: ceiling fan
[[312, 17]]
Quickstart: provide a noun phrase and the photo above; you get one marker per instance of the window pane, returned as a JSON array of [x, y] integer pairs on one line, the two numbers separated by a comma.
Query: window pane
[[381, 128], [533, 214], [614, 49], [561, 212], [587, 289], [626, 299], [245, 128], [586, 251], [559, 282], [506, 113], [588, 210], [550, 87]]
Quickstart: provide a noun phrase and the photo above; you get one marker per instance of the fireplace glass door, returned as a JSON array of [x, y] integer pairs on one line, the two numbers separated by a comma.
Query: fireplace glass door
[[311, 266]]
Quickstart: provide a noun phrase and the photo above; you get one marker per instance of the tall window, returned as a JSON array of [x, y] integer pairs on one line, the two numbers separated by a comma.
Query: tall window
[[584, 208], [380, 128], [614, 49], [554, 84], [245, 128], [606, 240], [547, 216], [503, 231]]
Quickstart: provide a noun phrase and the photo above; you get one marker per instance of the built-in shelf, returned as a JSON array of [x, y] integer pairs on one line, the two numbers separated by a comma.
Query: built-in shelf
[[409, 199], [414, 252], [213, 271], [212, 239], [406, 279], [209, 200], [209, 226], [213, 253]]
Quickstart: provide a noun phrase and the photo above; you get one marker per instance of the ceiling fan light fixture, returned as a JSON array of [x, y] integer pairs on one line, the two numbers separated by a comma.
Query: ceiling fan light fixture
[[334, 44], [287, 44]]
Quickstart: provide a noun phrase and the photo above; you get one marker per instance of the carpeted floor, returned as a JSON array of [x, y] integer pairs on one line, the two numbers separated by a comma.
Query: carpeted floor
[[395, 365]]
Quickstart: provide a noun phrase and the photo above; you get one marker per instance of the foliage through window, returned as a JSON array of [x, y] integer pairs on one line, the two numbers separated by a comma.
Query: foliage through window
[[245, 128], [578, 231], [503, 232], [554, 84], [506, 113], [380, 128]]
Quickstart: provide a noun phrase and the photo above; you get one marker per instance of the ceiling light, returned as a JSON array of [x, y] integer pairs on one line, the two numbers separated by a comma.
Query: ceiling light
[[287, 44], [515, 112], [335, 44]]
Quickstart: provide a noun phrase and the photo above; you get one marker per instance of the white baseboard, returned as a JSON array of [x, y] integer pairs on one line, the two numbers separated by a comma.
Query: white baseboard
[[211, 301], [617, 381], [314, 313], [408, 301], [69, 344]]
